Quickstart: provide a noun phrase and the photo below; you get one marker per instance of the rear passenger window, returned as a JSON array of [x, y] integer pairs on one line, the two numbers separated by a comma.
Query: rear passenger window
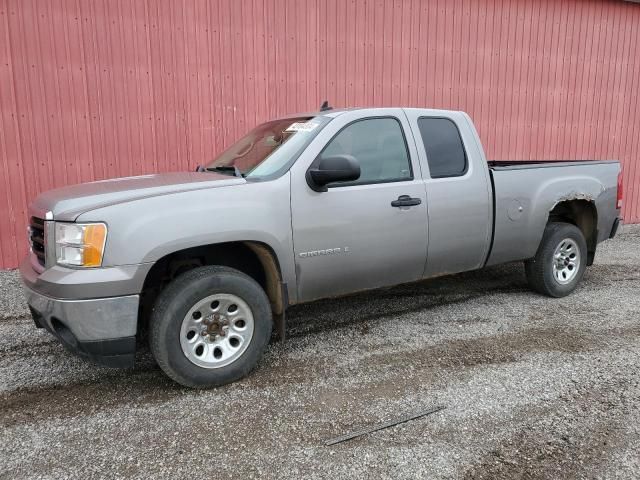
[[379, 147], [445, 152]]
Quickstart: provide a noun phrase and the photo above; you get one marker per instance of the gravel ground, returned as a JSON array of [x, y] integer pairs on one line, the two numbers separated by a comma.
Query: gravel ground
[[533, 387]]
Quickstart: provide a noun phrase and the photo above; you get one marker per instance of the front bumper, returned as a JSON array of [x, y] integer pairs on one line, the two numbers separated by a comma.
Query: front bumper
[[101, 329]]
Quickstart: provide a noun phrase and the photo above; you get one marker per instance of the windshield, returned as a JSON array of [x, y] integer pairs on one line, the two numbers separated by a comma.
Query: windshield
[[269, 149]]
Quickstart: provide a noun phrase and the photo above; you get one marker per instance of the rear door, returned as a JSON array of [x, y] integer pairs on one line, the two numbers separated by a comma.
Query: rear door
[[351, 237], [458, 187]]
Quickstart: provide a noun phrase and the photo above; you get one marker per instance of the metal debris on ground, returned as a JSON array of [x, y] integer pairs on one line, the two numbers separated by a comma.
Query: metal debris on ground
[[380, 426]]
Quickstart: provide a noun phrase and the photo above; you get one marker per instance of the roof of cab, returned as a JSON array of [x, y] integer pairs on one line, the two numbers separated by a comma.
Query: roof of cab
[[339, 111]]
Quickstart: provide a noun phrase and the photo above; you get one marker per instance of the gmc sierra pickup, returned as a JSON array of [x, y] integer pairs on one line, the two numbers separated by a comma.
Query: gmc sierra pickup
[[202, 264]]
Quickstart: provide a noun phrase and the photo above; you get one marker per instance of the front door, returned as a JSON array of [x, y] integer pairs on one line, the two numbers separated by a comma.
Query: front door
[[367, 233]]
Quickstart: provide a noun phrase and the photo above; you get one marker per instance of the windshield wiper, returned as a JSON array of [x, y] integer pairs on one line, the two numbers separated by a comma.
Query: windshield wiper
[[235, 171]]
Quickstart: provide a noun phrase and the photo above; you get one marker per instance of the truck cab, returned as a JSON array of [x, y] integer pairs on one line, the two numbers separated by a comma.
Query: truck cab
[[404, 218]]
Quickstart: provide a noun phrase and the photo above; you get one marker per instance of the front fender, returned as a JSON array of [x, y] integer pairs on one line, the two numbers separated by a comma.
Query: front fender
[[145, 230]]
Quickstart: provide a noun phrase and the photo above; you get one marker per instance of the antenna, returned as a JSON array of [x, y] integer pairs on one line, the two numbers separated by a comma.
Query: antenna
[[325, 106]]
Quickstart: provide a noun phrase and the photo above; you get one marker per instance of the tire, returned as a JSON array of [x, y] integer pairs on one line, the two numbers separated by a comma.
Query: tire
[[556, 277], [200, 346]]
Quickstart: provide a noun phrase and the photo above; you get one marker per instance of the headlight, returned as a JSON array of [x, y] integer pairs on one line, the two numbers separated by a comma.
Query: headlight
[[80, 244]]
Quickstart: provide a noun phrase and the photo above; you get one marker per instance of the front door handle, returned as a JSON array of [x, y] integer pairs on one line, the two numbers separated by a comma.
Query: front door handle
[[406, 201]]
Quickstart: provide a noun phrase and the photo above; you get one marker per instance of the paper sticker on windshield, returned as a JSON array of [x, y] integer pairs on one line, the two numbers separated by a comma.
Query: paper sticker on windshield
[[301, 127]]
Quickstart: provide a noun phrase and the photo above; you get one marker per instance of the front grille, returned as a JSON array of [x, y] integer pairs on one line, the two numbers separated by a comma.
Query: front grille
[[36, 238]]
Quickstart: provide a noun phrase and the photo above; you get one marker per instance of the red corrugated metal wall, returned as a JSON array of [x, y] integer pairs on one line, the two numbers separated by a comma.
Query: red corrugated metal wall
[[90, 90]]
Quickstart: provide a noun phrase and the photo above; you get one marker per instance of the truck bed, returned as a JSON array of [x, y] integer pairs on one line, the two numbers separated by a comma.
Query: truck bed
[[522, 164], [525, 192]]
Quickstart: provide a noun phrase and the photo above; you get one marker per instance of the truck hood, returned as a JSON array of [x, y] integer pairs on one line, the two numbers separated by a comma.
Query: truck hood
[[68, 203]]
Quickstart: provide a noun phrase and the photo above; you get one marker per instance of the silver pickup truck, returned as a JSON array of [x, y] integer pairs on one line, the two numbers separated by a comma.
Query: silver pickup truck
[[203, 264]]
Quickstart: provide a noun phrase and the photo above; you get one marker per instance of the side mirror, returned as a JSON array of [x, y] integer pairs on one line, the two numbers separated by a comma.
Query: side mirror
[[337, 168]]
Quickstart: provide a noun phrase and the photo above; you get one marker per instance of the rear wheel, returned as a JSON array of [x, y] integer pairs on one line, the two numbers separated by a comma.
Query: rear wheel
[[210, 327], [560, 261]]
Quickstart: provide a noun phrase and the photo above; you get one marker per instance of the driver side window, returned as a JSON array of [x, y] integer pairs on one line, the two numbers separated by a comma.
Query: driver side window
[[378, 145]]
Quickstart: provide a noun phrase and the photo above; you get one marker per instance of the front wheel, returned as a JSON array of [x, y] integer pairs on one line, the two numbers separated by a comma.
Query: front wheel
[[560, 261], [210, 327]]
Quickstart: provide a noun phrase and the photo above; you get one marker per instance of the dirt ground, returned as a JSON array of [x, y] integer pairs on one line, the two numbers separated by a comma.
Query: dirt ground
[[533, 388]]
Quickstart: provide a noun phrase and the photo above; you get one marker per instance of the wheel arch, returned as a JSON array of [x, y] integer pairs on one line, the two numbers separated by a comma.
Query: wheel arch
[[254, 258], [583, 214]]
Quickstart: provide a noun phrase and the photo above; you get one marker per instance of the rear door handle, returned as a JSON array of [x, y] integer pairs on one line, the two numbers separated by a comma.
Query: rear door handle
[[406, 201]]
